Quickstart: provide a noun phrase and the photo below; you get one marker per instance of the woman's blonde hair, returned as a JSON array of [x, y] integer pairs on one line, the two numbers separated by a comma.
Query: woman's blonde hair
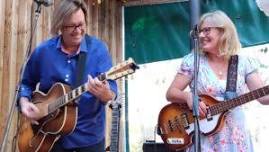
[[65, 9], [229, 42]]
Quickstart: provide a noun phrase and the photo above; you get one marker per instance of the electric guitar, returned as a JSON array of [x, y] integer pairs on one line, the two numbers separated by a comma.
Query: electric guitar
[[115, 127], [176, 122], [58, 112]]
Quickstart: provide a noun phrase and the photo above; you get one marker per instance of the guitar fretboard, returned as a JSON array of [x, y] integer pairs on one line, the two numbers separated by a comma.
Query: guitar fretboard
[[70, 96], [66, 98], [224, 106], [114, 145], [116, 72]]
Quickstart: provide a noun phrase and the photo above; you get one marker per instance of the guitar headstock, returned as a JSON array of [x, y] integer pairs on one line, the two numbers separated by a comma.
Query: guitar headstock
[[123, 69], [117, 103]]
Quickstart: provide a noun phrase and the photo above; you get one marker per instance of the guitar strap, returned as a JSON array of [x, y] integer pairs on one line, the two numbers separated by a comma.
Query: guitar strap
[[80, 71], [80, 68], [231, 78], [81, 63]]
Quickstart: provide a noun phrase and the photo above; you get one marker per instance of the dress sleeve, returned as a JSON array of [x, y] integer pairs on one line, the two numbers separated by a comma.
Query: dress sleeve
[[251, 65], [186, 67]]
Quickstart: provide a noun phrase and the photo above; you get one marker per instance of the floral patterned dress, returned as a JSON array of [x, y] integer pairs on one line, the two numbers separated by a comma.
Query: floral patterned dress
[[234, 136]]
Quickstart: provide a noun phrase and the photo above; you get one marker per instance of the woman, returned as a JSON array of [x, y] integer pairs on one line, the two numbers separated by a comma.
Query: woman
[[218, 42]]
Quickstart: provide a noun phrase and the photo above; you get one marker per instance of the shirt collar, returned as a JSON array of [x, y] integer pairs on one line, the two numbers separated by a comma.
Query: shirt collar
[[83, 44]]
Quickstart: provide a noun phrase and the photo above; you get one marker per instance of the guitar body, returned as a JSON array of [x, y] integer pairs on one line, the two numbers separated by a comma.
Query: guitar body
[[41, 137], [176, 124]]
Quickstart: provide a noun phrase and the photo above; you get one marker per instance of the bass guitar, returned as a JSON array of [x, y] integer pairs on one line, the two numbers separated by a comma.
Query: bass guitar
[[176, 122], [58, 112]]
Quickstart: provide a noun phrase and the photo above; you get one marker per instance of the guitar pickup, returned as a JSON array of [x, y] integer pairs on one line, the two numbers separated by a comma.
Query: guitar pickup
[[171, 125], [185, 121]]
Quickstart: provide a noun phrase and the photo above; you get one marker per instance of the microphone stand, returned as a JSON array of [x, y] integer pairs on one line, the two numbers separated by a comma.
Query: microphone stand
[[195, 37], [26, 58]]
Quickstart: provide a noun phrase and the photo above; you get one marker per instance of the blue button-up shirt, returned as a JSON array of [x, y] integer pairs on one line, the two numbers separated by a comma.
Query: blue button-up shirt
[[48, 64]]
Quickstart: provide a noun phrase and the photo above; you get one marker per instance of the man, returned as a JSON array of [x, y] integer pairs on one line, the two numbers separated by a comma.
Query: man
[[55, 60]]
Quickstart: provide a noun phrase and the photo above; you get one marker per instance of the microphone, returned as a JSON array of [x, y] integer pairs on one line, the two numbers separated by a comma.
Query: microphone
[[195, 31], [46, 3]]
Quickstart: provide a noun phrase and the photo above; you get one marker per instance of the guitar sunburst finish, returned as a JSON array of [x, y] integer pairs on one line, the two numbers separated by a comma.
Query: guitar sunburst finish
[[176, 122], [52, 126]]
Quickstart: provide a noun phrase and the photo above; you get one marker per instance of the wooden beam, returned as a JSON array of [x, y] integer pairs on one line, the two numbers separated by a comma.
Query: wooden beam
[[2, 36], [150, 2]]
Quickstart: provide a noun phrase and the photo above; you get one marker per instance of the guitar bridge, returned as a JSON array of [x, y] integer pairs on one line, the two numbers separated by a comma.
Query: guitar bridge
[[208, 115]]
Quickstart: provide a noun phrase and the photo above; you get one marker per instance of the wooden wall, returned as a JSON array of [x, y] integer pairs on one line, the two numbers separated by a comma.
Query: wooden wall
[[16, 16]]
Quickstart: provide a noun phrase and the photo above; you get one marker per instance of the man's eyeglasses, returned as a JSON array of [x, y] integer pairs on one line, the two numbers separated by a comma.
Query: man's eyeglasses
[[72, 28]]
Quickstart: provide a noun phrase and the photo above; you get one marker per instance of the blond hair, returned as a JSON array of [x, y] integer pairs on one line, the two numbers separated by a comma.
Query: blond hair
[[64, 10], [229, 42]]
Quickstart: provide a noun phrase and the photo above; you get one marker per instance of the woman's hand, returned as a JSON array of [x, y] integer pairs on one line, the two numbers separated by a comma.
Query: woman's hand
[[202, 105]]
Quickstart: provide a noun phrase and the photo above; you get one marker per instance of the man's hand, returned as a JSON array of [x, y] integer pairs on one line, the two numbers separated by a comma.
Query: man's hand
[[29, 110], [100, 89]]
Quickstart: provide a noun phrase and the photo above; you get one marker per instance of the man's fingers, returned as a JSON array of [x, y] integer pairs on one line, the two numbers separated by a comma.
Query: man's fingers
[[34, 108]]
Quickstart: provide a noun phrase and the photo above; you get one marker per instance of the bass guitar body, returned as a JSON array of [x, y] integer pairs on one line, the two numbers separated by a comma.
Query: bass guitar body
[[176, 124], [41, 137]]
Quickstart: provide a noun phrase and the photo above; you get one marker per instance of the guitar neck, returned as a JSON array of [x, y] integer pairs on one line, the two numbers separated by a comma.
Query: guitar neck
[[66, 98], [71, 96], [114, 73], [115, 127], [114, 143], [227, 105]]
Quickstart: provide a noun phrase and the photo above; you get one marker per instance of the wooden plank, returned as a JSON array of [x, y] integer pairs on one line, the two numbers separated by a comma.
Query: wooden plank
[[13, 50], [103, 22], [89, 18], [119, 57], [6, 57], [23, 33], [104, 26], [12, 72], [149, 2], [95, 20], [119, 35], [2, 36], [38, 34], [9, 68], [46, 22], [112, 29]]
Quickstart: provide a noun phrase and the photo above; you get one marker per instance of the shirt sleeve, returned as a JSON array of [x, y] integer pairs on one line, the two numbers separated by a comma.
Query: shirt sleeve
[[30, 77], [186, 67], [105, 63]]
